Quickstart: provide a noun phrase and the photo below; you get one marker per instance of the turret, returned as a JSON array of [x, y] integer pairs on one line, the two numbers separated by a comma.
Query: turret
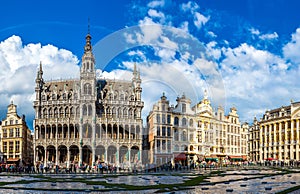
[[39, 83], [136, 82]]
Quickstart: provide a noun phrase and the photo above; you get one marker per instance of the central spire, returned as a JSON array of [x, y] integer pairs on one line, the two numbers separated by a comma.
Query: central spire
[[88, 45]]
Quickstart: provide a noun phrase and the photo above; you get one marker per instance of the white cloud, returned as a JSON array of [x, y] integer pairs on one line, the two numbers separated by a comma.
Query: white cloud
[[257, 78], [211, 34], [200, 20], [212, 50], [254, 31], [291, 49], [154, 13], [185, 26], [269, 36], [154, 4], [189, 6], [192, 7], [19, 65], [150, 31]]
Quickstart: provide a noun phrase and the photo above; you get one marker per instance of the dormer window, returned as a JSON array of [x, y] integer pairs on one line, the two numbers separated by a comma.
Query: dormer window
[[183, 108]]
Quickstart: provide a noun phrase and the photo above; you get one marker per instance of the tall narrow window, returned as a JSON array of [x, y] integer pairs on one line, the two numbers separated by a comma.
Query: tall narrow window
[[163, 131], [5, 147], [17, 146], [87, 89], [158, 130], [183, 108], [17, 132], [11, 147], [11, 132], [168, 119], [176, 121], [158, 118]]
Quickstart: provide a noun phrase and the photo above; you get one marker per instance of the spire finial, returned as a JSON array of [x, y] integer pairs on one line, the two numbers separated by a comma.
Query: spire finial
[[205, 94], [88, 25], [41, 69], [88, 46]]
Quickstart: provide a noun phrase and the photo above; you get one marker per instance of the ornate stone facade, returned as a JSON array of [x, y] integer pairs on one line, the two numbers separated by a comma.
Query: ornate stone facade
[[88, 120], [276, 135], [16, 138], [187, 134]]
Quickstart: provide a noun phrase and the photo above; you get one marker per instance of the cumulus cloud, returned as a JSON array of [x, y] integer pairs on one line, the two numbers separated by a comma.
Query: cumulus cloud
[[291, 49], [19, 65], [256, 78]]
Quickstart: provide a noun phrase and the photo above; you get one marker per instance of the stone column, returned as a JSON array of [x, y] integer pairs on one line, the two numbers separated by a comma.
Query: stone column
[[93, 154], [68, 157], [275, 150], [280, 141], [106, 131], [292, 141], [266, 144], [106, 149], [80, 156], [297, 140], [118, 157], [51, 132], [68, 135], [45, 156], [56, 155], [285, 140], [270, 150], [129, 156]]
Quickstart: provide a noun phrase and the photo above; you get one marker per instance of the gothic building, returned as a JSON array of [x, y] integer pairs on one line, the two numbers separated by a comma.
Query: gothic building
[[88, 120], [185, 133]]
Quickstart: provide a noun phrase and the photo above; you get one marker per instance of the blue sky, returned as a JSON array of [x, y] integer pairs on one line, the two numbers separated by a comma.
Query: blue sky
[[244, 53]]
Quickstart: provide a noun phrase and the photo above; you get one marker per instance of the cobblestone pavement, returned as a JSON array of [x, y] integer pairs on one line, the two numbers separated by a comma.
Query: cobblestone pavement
[[231, 180]]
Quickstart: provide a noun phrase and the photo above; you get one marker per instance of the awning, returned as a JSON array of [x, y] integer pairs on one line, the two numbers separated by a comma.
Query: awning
[[180, 156], [236, 157], [270, 159], [13, 159]]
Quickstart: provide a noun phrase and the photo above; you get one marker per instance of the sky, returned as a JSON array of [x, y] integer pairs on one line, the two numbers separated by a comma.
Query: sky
[[243, 53]]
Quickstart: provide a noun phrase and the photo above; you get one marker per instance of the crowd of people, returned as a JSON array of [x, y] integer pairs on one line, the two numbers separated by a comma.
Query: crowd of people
[[102, 167]]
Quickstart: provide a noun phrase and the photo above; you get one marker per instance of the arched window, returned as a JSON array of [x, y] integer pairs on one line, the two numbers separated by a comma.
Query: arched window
[[122, 97], [125, 112], [191, 123], [90, 110], [183, 121], [84, 110], [176, 148], [184, 136], [176, 121], [87, 89], [45, 115], [61, 112], [88, 66], [55, 113]]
